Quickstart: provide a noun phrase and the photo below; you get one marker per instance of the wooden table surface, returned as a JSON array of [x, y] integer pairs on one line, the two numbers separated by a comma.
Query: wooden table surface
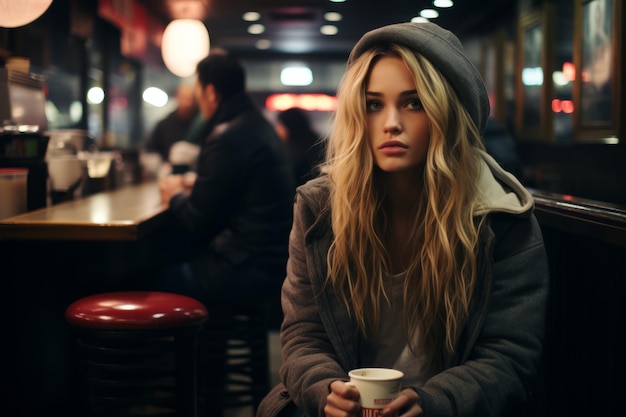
[[126, 214]]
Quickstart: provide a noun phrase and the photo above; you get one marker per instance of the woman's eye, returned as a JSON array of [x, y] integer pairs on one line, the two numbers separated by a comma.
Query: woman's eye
[[414, 104], [372, 105]]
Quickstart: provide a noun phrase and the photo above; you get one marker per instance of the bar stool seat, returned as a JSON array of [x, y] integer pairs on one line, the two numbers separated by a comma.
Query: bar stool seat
[[136, 353], [135, 310]]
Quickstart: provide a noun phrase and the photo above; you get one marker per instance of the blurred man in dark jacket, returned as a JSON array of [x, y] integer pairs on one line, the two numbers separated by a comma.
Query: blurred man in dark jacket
[[231, 225]]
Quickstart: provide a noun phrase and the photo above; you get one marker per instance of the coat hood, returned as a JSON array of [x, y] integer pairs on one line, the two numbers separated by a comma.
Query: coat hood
[[501, 191]]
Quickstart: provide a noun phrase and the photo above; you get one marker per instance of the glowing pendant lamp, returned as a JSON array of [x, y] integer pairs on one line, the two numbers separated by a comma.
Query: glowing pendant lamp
[[185, 42], [15, 13]]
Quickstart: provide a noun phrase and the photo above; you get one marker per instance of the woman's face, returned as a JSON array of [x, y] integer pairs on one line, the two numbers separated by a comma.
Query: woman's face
[[396, 122]]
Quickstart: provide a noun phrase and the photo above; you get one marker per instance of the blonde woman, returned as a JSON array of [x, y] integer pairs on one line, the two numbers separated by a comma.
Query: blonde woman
[[414, 250]]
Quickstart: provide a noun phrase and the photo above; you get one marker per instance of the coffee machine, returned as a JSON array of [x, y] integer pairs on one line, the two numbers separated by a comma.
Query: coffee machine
[[23, 122]]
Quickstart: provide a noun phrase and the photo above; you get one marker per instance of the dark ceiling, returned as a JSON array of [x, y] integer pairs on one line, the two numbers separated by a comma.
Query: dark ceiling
[[293, 26]]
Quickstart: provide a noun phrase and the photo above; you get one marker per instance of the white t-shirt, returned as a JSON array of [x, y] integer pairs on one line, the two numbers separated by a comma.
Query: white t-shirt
[[389, 348]]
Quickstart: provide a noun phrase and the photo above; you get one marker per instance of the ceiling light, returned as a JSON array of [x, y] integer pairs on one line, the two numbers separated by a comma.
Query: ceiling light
[[251, 16], [296, 76], [429, 13], [263, 44], [256, 29], [95, 95], [294, 45], [185, 42], [19, 13], [333, 16], [329, 30], [337, 1], [443, 3], [419, 19], [155, 96]]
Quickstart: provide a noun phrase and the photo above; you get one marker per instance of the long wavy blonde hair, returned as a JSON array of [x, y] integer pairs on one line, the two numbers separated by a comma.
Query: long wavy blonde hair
[[444, 235]]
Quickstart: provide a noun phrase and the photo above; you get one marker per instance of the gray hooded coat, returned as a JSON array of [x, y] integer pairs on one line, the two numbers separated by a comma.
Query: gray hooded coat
[[498, 354]]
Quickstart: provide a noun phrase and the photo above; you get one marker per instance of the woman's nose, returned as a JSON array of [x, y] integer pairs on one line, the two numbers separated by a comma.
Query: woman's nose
[[392, 121]]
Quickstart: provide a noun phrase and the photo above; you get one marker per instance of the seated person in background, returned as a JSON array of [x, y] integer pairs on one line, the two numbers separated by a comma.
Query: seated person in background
[[229, 239], [176, 125], [413, 249], [231, 225], [304, 145]]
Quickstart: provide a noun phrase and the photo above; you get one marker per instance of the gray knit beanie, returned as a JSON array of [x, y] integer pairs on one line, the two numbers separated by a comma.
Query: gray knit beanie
[[445, 51]]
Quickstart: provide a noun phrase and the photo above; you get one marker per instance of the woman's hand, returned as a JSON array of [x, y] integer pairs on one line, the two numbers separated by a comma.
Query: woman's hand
[[343, 401], [407, 404]]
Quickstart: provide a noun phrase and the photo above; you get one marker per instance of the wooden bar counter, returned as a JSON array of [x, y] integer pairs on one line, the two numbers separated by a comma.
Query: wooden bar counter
[[52, 256], [130, 213]]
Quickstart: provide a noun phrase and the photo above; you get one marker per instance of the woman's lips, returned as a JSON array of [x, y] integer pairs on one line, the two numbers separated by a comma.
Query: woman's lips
[[392, 148]]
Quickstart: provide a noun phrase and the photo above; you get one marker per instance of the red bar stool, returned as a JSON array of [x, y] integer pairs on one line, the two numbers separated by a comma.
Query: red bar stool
[[135, 353]]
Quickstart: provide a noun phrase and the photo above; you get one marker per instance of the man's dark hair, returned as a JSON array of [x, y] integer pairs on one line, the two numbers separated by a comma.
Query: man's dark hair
[[224, 72]]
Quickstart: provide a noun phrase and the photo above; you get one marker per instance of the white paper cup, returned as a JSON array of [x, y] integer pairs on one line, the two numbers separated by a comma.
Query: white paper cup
[[377, 386]]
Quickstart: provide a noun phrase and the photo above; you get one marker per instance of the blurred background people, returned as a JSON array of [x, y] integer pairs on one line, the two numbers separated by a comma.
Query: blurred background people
[[176, 126], [228, 245], [304, 145], [232, 223]]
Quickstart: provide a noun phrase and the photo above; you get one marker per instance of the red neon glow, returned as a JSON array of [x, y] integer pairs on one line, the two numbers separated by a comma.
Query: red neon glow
[[569, 70], [310, 102], [567, 106]]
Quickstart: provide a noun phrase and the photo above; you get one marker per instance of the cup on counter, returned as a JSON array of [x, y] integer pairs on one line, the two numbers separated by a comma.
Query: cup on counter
[[183, 156], [13, 191], [66, 174], [377, 387]]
